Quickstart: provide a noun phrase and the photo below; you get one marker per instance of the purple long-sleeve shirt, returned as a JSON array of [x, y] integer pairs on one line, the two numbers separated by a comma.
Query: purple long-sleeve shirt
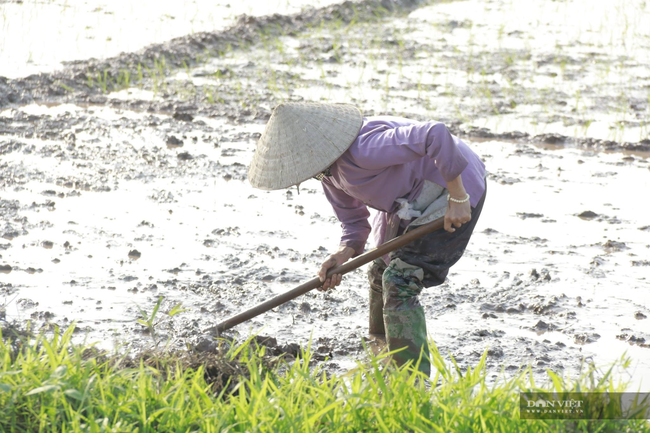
[[390, 159]]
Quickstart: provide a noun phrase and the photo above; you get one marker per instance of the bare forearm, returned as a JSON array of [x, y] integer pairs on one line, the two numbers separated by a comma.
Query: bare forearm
[[456, 188], [345, 252], [458, 210]]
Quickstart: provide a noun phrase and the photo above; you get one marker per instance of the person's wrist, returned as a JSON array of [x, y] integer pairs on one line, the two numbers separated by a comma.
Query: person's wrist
[[458, 199]]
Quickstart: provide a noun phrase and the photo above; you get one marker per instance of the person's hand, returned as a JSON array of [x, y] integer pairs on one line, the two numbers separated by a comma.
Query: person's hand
[[457, 214], [336, 259]]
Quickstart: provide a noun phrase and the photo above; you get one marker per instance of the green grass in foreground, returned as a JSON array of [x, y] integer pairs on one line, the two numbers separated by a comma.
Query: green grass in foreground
[[47, 384]]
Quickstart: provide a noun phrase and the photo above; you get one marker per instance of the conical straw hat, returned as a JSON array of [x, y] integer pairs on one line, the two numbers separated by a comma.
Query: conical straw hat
[[300, 141]]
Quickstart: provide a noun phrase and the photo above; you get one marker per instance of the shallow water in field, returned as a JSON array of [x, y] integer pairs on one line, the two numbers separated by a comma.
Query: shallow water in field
[[40, 36], [109, 201]]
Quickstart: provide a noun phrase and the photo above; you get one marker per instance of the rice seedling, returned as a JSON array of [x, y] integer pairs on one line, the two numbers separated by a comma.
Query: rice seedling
[[140, 74], [155, 80], [400, 50], [644, 130], [280, 47], [585, 126], [66, 88], [272, 83], [336, 51], [419, 83], [210, 96], [124, 79], [99, 79], [103, 80], [149, 320], [48, 384], [486, 92], [187, 69], [500, 34], [238, 89], [386, 90]]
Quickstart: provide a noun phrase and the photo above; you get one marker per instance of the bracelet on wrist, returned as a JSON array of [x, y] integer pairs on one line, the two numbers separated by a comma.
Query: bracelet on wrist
[[465, 200]]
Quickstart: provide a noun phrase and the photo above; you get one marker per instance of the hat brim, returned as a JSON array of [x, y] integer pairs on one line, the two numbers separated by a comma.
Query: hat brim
[[301, 140]]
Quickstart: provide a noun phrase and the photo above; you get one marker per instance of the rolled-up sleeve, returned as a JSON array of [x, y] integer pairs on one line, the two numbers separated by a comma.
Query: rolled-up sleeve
[[353, 215], [403, 144]]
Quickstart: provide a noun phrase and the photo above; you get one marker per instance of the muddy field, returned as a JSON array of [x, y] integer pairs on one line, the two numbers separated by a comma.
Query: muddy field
[[123, 180], [81, 29]]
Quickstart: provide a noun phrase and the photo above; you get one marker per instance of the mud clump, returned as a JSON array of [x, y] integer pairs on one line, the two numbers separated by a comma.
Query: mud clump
[[586, 338], [543, 275], [611, 245], [632, 339], [542, 326], [290, 350], [587, 215], [220, 371], [547, 306], [173, 142], [185, 117], [495, 352], [524, 215]]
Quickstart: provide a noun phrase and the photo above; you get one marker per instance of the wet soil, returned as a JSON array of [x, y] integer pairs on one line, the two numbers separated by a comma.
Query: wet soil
[[543, 77], [115, 193], [77, 29]]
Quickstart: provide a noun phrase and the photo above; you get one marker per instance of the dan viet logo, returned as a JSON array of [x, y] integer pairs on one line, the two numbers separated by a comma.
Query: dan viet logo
[[584, 405], [555, 404], [538, 405]]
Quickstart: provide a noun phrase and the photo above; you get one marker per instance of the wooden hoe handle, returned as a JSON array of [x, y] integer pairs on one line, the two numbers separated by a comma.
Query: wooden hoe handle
[[346, 267]]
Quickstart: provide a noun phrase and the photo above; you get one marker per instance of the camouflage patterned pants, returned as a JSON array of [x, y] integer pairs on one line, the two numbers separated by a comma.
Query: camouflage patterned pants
[[395, 309]]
